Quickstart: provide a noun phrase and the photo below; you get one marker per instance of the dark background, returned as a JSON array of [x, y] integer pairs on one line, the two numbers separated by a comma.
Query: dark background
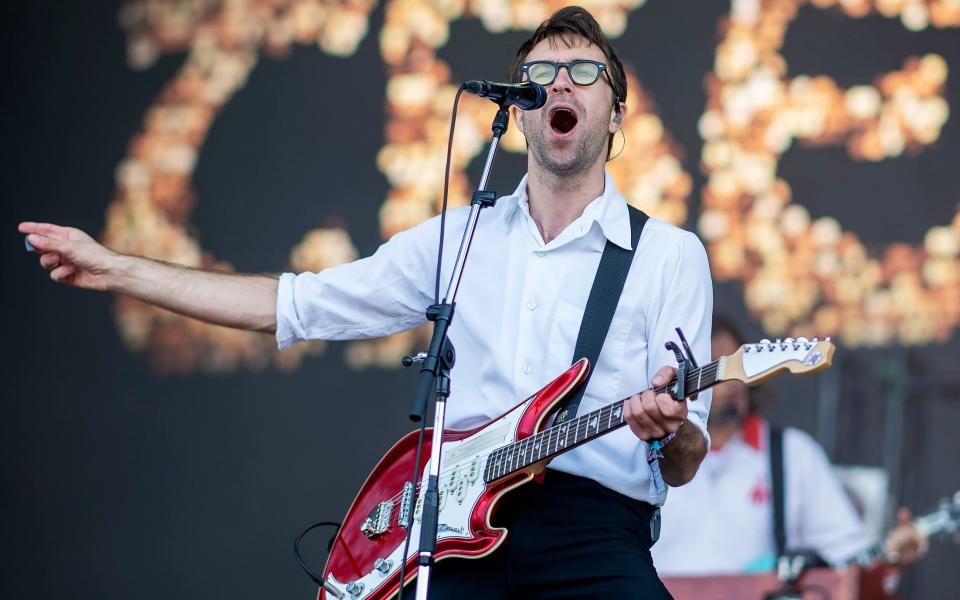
[[117, 482]]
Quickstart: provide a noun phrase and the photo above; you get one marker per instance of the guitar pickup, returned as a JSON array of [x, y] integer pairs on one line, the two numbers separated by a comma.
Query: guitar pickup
[[378, 521]]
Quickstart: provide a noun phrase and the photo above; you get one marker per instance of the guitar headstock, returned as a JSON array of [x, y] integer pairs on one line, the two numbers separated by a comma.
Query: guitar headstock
[[946, 519], [755, 363]]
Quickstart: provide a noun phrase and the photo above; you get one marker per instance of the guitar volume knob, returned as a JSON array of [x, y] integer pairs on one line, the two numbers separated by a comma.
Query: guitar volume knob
[[383, 566]]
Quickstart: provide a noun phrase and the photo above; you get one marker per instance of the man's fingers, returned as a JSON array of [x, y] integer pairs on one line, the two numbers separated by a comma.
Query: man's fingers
[[62, 272], [46, 229], [670, 408], [664, 376], [666, 412], [50, 260], [640, 422], [650, 407], [45, 244]]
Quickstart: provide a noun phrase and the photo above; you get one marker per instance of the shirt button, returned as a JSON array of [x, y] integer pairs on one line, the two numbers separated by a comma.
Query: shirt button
[[526, 368], [539, 253], [531, 304]]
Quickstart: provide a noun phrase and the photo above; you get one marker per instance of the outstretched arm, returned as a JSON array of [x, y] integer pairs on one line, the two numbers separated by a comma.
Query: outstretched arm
[[234, 300]]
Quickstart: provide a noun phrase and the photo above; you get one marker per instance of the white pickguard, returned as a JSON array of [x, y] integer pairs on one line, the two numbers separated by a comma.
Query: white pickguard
[[462, 465]]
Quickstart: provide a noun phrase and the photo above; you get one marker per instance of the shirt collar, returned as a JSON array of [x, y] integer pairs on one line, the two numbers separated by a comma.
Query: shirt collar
[[609, 211]]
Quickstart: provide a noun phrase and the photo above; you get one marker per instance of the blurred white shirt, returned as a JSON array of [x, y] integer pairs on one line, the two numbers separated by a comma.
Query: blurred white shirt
[[731, 494], [518, 313]]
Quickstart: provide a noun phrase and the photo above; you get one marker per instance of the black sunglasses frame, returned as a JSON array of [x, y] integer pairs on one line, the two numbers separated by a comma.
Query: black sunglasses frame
[[601, 67]]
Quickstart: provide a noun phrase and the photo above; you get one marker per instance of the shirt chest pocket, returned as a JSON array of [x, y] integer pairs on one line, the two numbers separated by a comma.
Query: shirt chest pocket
[[608, 373]]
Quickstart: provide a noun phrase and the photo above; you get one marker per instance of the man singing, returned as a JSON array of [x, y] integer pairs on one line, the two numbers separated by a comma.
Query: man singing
[[584, 531]]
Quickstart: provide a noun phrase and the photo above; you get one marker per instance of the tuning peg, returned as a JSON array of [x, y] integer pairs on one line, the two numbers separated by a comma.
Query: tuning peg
[[788, 340], [765, 341], [813, 341], [826, 339], [802, 340]]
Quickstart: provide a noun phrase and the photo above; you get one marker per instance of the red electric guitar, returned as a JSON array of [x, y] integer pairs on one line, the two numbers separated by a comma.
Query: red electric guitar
[[479, 466]]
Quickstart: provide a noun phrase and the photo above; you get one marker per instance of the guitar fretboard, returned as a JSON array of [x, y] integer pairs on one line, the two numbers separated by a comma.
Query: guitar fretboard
[[570, 434]]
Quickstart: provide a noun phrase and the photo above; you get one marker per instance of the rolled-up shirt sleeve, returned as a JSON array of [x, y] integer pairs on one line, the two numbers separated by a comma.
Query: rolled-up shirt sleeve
[[380, 295], [687, 303]]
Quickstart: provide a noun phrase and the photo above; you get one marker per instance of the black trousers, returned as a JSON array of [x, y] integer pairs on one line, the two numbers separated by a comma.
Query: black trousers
[[569, 537]]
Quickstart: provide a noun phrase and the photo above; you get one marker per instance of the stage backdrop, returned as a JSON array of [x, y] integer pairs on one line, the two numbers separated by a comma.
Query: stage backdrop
[[812, 146]]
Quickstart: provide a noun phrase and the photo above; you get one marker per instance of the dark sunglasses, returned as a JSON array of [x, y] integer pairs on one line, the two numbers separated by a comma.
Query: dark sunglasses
[[582, 72]]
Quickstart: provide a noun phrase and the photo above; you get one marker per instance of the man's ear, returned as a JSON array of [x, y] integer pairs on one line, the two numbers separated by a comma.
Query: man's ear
[[517, 115], [617, 116]]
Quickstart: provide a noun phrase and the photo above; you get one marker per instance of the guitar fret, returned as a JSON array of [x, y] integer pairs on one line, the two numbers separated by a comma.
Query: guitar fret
[[564, 436]]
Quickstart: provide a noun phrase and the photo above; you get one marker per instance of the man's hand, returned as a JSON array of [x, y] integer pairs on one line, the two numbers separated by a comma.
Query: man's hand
[[71, 256], [230, 299], [905, 544], [653, 416]]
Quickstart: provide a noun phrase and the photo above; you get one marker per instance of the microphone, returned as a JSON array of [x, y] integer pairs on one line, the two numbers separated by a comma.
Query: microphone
[[525, 96]]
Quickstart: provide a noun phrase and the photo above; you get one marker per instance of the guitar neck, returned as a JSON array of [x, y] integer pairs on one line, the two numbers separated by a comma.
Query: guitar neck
[[946, 519], [565, 436]]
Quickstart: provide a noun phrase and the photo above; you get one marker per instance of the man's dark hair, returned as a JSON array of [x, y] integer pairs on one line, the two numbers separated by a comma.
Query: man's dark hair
[[724, 324], [760, 396], [568, 24]]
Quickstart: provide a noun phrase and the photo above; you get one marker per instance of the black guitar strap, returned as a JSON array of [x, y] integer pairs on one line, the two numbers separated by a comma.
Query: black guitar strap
[[778, 501], [602, 303]]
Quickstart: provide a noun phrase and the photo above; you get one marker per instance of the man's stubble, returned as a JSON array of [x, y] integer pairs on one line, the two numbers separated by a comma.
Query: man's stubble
[[587, 147]]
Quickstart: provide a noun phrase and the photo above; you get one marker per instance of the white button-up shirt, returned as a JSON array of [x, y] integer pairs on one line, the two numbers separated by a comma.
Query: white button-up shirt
[[518, 314]]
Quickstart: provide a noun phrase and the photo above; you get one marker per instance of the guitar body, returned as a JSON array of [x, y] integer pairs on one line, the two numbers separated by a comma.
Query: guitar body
[[366, 554], [479, 466]]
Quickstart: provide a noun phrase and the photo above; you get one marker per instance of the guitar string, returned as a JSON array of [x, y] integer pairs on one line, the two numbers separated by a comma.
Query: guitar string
[[706, 372], [709, 370], [697, 376]]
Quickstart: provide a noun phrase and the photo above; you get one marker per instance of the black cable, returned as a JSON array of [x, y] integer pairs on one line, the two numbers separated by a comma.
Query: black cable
[[317, 579], [446, 187], [436, 300]]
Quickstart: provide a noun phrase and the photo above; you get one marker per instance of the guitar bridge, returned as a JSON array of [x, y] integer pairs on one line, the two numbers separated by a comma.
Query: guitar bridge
[[406, 502], [378, 521]]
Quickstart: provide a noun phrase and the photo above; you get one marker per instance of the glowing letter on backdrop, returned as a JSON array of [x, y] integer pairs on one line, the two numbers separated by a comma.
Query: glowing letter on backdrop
[[151, 209], [803, 275]]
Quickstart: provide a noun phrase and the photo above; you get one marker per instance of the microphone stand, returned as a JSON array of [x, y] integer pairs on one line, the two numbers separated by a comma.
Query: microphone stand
[[440, 356]]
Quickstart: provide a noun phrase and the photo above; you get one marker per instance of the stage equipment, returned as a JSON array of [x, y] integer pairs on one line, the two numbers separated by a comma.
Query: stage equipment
[[528, 95]]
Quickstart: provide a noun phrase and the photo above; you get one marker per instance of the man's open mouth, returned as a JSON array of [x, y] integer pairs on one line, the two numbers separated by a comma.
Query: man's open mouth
[[563, 120]]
